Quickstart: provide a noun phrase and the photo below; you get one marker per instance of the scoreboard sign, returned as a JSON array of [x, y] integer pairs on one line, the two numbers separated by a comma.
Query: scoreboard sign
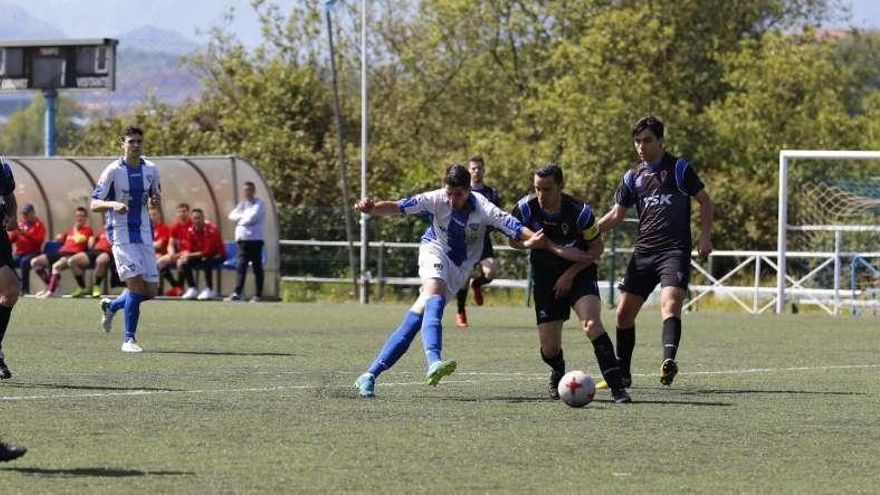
[[54, 65]]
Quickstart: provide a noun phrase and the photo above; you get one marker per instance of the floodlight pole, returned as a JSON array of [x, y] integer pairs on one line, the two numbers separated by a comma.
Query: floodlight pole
[[49, 132], [343, 168], [365, 279]]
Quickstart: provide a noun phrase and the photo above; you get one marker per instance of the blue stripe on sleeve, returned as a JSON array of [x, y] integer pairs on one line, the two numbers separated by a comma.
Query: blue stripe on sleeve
[[523, 205], [680, 167], [514, 226], [585, 217], [406, 203]]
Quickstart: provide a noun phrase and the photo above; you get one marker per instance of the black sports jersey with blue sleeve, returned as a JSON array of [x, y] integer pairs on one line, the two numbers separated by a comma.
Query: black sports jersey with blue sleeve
[[661, 194], [574, 225], [490, 193]]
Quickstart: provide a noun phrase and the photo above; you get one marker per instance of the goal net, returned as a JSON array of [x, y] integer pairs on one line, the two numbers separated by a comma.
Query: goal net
[[829, 229]]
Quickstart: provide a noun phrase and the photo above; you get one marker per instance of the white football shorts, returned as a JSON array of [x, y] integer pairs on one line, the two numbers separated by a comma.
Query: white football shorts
[[136, 259], [433, 263]]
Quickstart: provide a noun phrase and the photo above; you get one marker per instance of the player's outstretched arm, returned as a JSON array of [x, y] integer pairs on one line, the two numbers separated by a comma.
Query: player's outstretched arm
[[564, 282], [100, 205], [612, 218], [570, 253], [379, 208], [707, 210], [531, 239]]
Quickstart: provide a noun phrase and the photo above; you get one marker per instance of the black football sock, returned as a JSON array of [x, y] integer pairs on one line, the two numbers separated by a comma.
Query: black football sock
[[5, 313], [671, 336], [461, 299], [80, 281], [604, 350], [556, 362], [626, 342]]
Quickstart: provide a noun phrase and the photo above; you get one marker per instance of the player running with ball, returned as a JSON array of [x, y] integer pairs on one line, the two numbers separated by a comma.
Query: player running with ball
[[450, 247], [561, 285]]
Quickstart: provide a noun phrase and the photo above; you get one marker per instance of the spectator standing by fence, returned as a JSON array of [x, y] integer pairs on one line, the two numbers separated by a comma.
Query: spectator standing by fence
[[249, 216]]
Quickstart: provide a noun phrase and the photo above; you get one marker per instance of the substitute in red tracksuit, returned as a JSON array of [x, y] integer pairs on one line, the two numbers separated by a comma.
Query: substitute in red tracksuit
[[28, 241], [202, 249]]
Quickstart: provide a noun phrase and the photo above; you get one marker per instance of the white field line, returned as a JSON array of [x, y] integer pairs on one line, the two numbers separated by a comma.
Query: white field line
[[479, 377]]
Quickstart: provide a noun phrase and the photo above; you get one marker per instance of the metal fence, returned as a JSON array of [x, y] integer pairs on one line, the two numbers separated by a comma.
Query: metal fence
[[831, 281]]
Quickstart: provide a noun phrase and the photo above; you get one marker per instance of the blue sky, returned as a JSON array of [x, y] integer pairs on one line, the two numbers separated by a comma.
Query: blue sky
[[108, 18]]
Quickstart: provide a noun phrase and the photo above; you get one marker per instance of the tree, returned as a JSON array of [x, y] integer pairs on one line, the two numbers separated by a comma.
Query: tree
[[25, 131]]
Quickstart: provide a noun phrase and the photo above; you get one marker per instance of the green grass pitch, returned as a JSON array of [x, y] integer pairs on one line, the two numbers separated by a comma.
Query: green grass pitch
[[258, 398]]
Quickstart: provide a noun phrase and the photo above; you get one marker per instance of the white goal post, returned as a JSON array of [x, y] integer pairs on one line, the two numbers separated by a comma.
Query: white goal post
[[782, 225]]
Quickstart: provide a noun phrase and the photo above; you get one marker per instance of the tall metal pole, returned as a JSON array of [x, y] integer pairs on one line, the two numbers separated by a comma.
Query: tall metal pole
[[343, 168], [781, 230], [49, 132], [364, 299]]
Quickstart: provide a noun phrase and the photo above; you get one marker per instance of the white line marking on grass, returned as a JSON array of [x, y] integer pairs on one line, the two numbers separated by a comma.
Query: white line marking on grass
[[496, 377], [129, 393], [792, 368]]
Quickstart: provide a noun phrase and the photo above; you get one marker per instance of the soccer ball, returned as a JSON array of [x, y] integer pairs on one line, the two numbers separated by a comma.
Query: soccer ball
[[577, 388]]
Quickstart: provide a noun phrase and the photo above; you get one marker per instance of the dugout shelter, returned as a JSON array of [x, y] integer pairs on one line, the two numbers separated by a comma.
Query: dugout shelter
[[58, 185]]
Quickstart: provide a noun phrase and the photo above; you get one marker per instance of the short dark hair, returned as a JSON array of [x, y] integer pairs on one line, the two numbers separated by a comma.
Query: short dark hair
[[649, 122], [198, 210], [477, 159], [249, 183], [82, 209], [130, 130], [183, 205], [550, 169], [457, 176]]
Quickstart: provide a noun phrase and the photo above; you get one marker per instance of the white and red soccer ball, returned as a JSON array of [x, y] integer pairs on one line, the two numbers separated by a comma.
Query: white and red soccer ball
[[577, 388]]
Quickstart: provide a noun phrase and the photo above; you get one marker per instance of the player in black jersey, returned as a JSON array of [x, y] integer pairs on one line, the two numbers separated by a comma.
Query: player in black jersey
[[488, 264], [560, 285], [10, 285], [660, 186]]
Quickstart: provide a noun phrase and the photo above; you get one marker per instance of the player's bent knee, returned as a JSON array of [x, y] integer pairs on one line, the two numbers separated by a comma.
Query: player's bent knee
[[550, 350], [593, 329], [625, 318]]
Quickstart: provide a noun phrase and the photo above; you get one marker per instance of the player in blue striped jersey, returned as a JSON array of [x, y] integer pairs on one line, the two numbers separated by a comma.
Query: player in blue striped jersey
[[449, 248], [125, 190]]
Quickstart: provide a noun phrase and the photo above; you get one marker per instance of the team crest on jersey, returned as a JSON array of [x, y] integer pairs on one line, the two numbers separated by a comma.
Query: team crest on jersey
[[564, 227], [662, 176], [474, 226]]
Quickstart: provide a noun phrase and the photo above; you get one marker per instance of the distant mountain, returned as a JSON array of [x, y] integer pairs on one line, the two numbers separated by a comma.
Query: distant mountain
[[141, 74], [154, 39], [17, 25]]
